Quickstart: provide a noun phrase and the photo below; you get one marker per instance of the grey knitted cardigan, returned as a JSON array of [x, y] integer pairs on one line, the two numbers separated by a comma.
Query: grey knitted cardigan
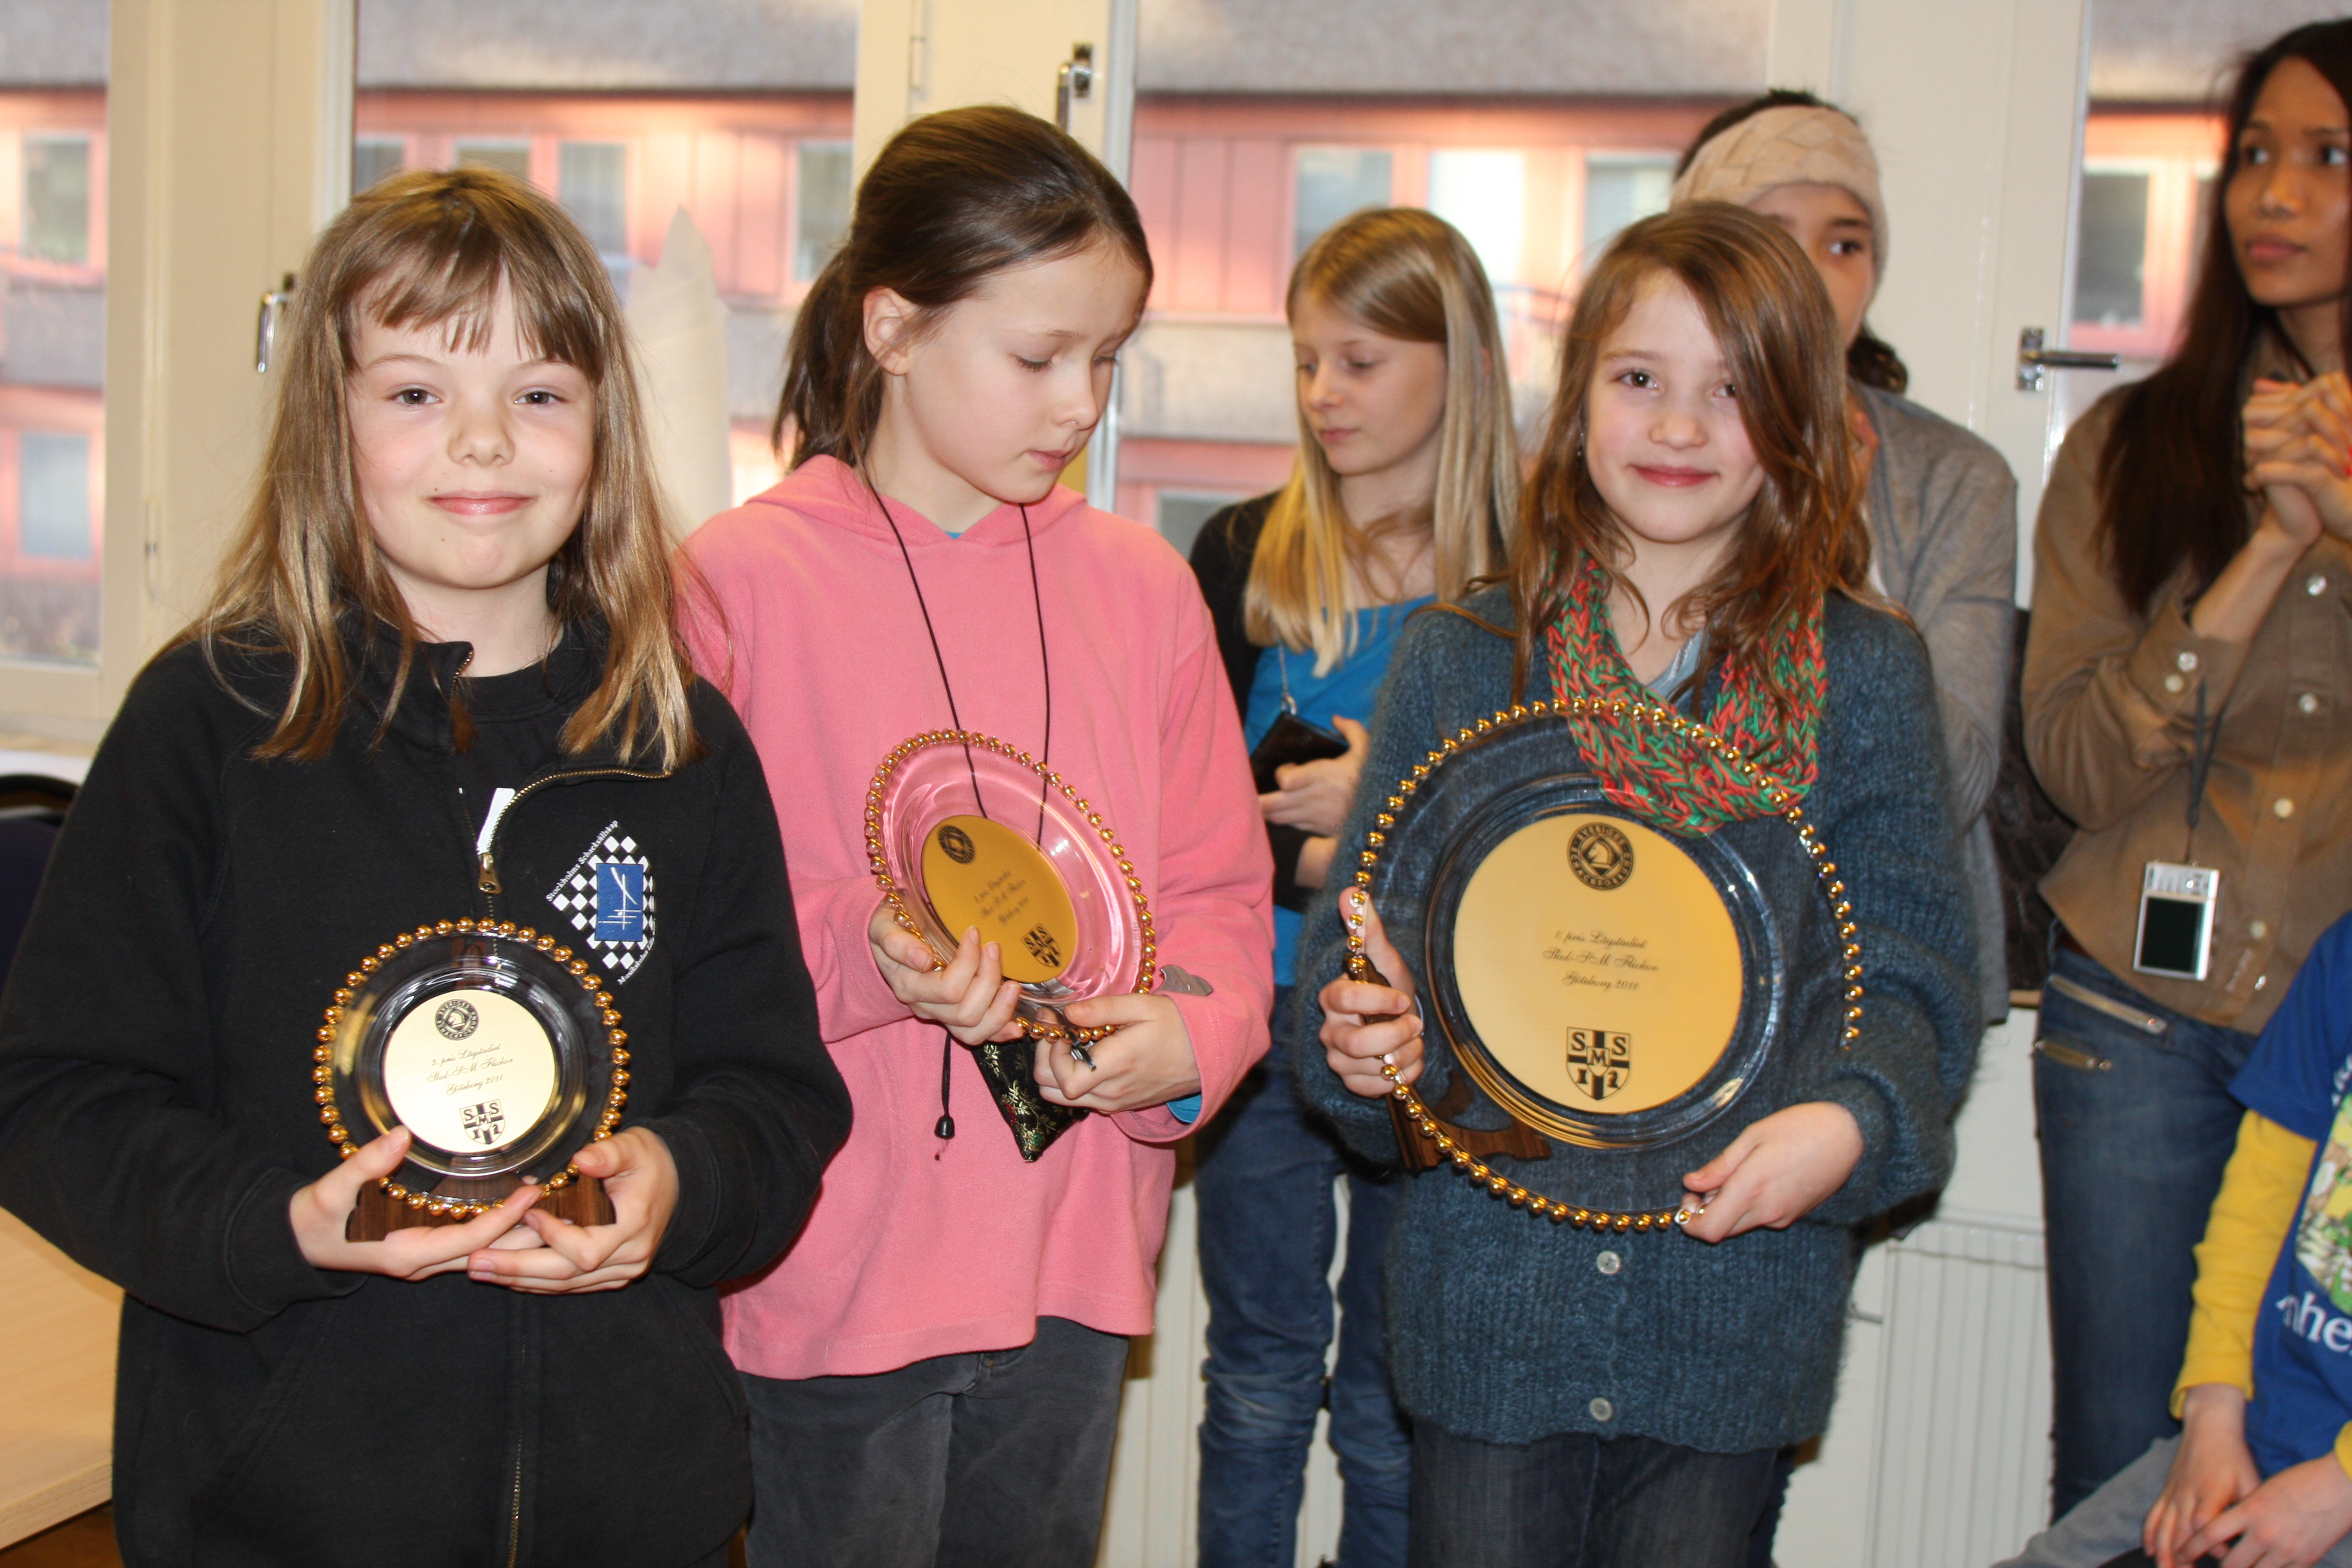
[[1942, 512], [1508, 1329]]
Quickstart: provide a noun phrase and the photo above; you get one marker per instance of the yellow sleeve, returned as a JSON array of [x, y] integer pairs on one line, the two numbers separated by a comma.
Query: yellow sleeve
[[2344, 1448], [2261, 1191]]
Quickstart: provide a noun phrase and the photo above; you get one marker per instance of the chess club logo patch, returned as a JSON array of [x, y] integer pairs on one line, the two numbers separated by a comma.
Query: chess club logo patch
[[608, 898]]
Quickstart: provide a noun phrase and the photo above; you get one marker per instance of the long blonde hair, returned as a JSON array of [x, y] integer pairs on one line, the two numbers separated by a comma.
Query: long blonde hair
[[440, 249], [1410, 275]]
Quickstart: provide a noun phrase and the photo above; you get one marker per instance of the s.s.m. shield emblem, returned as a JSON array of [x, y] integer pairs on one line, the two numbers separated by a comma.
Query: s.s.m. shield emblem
[[1599, 1060]]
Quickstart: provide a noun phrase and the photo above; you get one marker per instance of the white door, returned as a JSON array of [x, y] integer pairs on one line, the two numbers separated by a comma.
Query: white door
[[1937, 1451]]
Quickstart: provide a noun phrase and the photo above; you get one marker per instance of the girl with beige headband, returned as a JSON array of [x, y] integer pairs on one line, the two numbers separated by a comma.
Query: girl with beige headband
[[1940, 504]]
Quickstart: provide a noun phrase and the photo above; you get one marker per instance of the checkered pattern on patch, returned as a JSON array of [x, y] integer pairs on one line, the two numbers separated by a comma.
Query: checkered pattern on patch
[[577, 901]]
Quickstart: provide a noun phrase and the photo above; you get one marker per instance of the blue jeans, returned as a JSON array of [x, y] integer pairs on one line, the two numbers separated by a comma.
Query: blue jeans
[[1577, 1500], [1268, 1228], [2136, 1123]]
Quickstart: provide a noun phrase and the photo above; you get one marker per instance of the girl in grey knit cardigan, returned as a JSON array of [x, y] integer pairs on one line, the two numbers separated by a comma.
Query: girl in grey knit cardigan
[[1693, 535]]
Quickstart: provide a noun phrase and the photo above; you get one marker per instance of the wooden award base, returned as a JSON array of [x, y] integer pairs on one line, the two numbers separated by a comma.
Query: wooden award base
[[375, 1216], [1514, 1138]]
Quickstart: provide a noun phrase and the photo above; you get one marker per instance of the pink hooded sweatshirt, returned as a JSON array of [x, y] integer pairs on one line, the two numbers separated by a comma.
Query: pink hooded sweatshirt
[[921, 1247]]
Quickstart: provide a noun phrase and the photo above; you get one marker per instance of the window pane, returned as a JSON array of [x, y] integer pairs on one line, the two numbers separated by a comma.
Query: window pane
[[1619, 190], [1485, 195], [1334, 182], [821, 216], [373, 158], [56, 198], [1182, 515], [506, 157], [593, 181], [53, 505], [53, 333], [2111, 249]]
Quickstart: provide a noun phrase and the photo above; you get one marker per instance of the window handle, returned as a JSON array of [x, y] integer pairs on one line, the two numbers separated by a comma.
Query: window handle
[[265, 328], [2032, 359], [1076, 79]]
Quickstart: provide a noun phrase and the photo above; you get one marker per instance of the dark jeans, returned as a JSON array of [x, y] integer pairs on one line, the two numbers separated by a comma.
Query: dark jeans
[[2135, 1122], [1268, 1228], [966, 1461], [1580, 1501]]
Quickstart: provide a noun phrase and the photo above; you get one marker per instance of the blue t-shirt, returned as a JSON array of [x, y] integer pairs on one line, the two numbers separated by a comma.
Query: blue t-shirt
[[2297, 1076], [1351, 688]]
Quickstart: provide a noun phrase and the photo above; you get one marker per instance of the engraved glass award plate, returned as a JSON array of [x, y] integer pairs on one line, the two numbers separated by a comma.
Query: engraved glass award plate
[[964, 831], [494, 1046], [1608, 985], [977, 835]]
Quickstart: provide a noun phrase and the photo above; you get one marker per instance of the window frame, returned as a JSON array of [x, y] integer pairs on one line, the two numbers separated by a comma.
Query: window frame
[[227, 143]]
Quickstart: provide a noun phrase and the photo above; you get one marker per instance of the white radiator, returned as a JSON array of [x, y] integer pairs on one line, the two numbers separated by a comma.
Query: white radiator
[[1961, 1474]]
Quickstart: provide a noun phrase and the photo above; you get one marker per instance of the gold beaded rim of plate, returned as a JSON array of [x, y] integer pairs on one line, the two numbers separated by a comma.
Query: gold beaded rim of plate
[[322, 1056], [1613, 710], [1146, 964]]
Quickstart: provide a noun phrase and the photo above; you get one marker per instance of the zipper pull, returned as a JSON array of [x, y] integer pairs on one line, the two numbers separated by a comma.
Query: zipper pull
[[488, 883]]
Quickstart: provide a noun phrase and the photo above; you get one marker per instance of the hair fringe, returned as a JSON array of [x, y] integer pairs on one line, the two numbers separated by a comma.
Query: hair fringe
[[304, 581], [1803, 537]]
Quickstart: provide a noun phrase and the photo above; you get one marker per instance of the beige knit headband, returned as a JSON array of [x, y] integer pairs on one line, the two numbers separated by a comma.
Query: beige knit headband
[[1793, 146]]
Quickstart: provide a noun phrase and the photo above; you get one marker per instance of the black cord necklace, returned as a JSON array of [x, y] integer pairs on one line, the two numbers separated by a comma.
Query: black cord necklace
[[945, 1128]]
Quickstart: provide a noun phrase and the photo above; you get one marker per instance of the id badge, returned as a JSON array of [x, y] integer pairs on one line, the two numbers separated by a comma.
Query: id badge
[[2176, 920]]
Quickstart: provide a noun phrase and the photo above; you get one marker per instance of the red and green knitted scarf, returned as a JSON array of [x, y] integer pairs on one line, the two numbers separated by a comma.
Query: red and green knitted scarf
[[1678, 786]]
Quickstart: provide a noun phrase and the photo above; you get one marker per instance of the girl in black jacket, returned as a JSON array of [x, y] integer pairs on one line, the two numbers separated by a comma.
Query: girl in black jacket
[[439, 682]]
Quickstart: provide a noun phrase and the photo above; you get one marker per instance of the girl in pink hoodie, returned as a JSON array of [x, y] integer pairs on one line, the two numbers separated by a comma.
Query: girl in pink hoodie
[[933, 1371]]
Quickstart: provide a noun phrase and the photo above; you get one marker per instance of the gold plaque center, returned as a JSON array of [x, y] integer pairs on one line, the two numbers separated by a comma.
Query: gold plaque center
[[1597, 963], [982, 873]]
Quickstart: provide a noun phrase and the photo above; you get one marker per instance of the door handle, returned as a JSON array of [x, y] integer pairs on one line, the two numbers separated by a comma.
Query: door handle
[[1076, 79], [2032, 359], [265, 328]]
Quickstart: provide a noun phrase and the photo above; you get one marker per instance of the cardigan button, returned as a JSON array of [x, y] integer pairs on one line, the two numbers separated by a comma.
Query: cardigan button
[[1602, 1410], [1609, 1263]]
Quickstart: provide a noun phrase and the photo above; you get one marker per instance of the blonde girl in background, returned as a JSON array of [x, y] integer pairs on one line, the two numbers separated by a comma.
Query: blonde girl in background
[[1404, 491]]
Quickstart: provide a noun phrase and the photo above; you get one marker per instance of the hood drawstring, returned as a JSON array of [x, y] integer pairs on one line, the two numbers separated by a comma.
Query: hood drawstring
[[945, 1130]]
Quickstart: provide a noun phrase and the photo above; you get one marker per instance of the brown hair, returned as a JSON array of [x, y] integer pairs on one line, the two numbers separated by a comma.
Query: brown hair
[[2171, 479], [1405, 274], [1870, 360], [440, 249], [953, 198], [1771, 314]]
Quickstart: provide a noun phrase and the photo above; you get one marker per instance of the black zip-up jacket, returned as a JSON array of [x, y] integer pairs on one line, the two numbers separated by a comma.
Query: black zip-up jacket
[[156, 1118]]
